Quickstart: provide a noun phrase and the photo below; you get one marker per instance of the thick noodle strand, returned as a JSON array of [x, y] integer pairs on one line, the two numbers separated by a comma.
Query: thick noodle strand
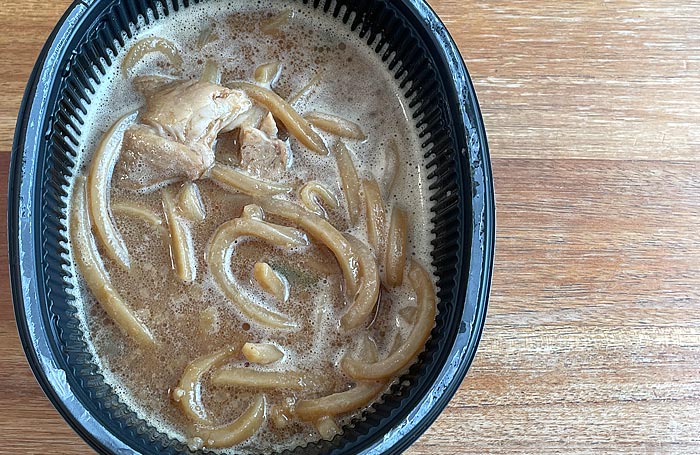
[[189, 390], [212, 72], [181, 245], [206, 36], [339, 403], [270, 281], [261, 353], [95, 275], [280, 416], [375, 216], [367, 350], [267, 73], [336, 125], [134, 210], [313, 193], [349, 181], [295, 123], [368, 291], [396, 247], [250, 224], [149, 45], [244, 183], [327, 427], [303, 91], [190, 203], [245, 377], [237, 431], [404, 355], [392, 164], [273, 25], [98, 183]]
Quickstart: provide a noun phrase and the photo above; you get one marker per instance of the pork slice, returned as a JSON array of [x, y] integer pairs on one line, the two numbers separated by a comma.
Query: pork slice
[[269, 126], [178, 125], [261, 155], [147, 158]]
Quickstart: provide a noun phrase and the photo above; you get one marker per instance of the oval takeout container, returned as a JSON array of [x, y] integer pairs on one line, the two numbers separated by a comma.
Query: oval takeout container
[[418, 50]]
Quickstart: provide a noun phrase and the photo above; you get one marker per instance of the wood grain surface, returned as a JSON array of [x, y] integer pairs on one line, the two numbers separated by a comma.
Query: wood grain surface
[[592, 344]]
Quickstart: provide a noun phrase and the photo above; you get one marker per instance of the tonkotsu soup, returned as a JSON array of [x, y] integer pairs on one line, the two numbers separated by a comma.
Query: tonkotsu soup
[[249, 227]]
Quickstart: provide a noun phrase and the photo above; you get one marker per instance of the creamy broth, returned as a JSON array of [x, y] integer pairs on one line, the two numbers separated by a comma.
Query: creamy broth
[[195, 319]]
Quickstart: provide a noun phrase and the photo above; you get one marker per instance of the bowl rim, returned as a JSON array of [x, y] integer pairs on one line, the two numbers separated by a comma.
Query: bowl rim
[[24, 259]]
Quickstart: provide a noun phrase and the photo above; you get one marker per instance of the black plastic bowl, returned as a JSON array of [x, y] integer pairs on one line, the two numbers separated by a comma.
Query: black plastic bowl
[[417, 48]]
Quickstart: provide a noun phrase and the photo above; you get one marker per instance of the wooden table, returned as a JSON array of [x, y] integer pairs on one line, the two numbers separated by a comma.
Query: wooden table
[[592, 110]]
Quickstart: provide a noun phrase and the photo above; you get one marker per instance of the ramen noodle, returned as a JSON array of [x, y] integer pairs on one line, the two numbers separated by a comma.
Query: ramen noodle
[[249, 227]]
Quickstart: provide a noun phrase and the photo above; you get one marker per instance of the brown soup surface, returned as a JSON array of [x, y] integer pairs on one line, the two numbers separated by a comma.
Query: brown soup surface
[[350, 279]]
